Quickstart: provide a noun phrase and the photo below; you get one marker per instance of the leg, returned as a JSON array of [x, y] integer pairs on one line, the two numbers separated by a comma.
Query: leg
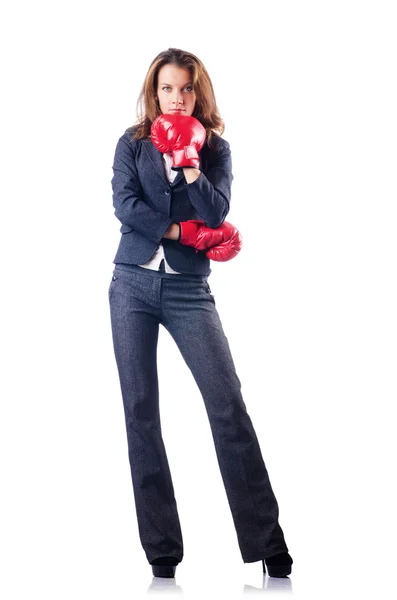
[[135, 328], [193, 321]]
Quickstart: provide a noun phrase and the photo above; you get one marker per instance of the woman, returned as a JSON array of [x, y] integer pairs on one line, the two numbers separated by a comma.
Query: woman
[[161, 278]]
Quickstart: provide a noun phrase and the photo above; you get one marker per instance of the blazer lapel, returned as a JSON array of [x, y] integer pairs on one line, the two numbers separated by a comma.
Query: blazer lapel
[[158, 162]]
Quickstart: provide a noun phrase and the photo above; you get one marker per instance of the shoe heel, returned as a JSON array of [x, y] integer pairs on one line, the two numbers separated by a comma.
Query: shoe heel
[[164, 570], [278, 565], [277, 570]]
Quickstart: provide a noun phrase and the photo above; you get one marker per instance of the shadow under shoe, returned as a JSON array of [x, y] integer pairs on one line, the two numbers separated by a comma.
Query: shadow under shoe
[[279, 565], [165, 566]]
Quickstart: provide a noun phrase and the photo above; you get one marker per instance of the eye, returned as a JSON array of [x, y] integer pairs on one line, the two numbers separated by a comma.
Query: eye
[[166, 87]]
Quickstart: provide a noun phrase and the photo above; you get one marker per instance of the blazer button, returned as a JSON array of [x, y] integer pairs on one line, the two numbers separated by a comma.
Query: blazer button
[[167, 193]]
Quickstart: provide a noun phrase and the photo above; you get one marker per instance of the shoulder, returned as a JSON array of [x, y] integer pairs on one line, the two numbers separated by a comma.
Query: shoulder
[[128, 135], [127, 142], [130, 131], [218, 144], [215, 149]]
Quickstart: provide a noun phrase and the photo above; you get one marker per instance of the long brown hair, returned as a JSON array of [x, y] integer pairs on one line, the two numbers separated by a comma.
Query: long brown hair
[[205, 110]]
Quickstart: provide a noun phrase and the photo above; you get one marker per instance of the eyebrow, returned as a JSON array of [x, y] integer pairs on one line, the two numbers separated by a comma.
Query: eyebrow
[[171, 85]]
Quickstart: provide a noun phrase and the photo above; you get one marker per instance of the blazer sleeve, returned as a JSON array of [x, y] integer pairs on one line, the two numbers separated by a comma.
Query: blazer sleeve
[[210, 194], [128, 205]]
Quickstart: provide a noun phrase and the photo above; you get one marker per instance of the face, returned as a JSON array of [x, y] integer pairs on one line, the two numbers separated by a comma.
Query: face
[[175, 91]]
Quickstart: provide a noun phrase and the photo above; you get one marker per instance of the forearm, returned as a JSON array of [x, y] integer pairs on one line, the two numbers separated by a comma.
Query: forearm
[[210, 192], [132, 211], [211, 200]]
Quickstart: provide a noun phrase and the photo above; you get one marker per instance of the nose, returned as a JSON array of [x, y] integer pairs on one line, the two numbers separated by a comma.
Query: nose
[[178, 98]]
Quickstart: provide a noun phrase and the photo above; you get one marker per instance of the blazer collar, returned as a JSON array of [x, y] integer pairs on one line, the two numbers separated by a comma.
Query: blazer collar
[[158, 162]]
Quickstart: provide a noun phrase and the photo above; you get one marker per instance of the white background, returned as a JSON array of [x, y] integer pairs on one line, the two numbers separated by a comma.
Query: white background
[[308, 94]]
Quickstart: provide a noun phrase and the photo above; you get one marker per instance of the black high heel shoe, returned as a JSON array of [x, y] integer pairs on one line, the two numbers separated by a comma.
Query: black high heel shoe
[[165, 566], [279, 565]]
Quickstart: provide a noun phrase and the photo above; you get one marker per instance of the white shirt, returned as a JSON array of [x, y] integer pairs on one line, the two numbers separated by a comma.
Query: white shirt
[[157, 257]]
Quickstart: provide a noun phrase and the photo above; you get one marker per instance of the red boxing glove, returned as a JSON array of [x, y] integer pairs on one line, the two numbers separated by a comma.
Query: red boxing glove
[[181, 136], [195, 233], [228, 249], [224, 242]]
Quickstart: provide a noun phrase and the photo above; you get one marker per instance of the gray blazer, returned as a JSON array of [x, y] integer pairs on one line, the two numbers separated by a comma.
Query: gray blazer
[[146, 202]]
